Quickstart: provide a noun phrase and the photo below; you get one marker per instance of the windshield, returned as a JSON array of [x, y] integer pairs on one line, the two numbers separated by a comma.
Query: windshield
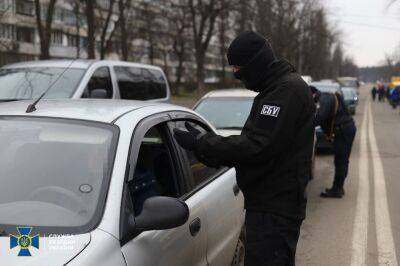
[[348, 94], [54, 173], [226, 113], [30, 83]]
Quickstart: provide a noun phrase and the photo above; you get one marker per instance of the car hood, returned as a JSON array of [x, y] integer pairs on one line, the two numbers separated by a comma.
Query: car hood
[[53, 250]]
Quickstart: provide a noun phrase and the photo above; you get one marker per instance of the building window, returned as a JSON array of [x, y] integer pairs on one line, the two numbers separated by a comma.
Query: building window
[[69, 18], [25, 34], [3, 5], [83, 41], [57, 38], [25, 7], [7, 32], [58, 14], [43, 12], [72, 40]]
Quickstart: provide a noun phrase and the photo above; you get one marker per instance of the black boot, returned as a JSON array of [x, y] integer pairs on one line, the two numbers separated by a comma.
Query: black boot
[[333, 193], [329, 190]]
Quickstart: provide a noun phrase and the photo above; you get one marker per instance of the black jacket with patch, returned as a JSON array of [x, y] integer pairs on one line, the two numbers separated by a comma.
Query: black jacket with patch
[[326, 112], [273, 154]]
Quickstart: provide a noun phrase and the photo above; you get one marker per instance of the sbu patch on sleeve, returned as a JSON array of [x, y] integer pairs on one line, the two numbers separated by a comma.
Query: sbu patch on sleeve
[[270, 110]]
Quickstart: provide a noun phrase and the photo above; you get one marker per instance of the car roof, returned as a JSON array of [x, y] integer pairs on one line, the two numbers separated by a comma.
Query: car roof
[[231, 93], [77, 63], [105, 111], [324, 83]]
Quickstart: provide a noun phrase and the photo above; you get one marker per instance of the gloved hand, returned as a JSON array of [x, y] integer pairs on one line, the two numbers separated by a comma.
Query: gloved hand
[[187, 139]]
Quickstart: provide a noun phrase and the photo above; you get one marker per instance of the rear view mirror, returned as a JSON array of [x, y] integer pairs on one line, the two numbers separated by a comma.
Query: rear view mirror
[[161, 213], [98, 94]]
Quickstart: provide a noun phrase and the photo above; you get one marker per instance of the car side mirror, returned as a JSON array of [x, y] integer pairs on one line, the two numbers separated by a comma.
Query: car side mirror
[[160, 213], [98, 94]]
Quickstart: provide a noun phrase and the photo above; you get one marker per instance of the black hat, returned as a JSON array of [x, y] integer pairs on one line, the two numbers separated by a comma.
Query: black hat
[[247, 46]]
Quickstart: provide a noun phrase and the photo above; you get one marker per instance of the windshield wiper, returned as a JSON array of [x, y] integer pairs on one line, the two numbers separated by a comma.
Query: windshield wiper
[[9, 100], [231, 127]]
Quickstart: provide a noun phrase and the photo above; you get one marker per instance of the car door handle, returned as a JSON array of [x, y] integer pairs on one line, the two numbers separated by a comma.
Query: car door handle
[[236, 190], [195, 227]]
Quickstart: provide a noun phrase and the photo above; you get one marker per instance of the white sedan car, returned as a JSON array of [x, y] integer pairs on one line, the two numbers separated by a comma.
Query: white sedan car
[[103, 182]]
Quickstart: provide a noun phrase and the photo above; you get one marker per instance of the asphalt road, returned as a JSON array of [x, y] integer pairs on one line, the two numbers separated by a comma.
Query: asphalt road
[[363, 228]]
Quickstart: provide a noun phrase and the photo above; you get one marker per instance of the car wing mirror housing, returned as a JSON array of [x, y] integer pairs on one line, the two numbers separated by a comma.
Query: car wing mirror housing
[[98, 94], [160, 213]]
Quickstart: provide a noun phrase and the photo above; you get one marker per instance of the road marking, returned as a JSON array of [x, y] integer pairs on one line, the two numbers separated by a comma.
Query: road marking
[[384, 235], [360, 226]]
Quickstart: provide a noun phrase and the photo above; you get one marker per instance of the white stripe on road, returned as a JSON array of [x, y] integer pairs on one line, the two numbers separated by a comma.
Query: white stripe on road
[[386, 249], [360, 226]]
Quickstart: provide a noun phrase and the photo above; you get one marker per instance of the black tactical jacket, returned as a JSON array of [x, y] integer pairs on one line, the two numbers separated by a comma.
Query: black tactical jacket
[[272, 156], [326, 112]]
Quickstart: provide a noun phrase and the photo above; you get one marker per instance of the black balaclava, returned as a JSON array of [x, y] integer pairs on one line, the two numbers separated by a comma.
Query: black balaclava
[[254, 54]]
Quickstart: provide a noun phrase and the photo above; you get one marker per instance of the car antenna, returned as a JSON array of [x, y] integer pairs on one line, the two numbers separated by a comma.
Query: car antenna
[[32, 107]]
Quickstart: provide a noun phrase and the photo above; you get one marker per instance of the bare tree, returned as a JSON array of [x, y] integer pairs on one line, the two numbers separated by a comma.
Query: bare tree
[[337, 61], [245, 15], [124, 8], [45, 30], [77, 12], [223, 25], [203, 15], [91, 27], [179, 26], [106, 35]]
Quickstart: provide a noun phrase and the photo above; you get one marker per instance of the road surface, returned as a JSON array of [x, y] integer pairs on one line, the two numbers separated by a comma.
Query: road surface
[[363, 228]]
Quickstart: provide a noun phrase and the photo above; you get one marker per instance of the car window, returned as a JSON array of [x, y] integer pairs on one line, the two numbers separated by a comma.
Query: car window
[[199, 171], [234, 116], [101, 79], [154, 173], [140, 84], [31, 82]]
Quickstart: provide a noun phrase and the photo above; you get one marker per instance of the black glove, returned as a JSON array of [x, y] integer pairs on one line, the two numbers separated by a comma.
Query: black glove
[[187, 139]]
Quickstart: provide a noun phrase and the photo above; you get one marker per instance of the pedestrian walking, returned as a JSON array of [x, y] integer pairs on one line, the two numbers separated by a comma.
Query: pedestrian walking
[[373, 93], [272, 156], [381, 92], [339, 127], [395, 97]]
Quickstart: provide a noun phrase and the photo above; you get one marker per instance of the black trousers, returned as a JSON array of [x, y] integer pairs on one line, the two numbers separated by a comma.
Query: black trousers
[[270, 240], [342, 145]]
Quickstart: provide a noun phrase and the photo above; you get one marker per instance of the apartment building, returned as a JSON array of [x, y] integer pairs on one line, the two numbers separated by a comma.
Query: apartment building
[[19, 38]]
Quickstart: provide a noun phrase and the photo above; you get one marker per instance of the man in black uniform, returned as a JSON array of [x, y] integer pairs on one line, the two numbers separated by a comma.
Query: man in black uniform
[[338, 125], [272, 156]]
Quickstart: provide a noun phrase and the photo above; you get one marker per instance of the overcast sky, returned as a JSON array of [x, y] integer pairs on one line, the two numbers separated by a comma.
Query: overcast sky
[[369, 29]]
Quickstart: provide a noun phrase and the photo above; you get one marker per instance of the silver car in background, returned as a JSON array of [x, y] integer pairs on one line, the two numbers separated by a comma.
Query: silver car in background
[[80, 78], [227, 110]]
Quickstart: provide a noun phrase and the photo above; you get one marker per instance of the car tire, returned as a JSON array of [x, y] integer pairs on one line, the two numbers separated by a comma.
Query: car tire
[[238, 256]]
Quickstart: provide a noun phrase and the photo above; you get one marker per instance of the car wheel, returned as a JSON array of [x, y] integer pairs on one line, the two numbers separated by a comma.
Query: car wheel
[[238, 257]]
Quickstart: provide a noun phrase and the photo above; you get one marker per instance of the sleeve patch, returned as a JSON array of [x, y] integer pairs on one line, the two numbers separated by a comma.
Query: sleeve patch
[[270, 110]]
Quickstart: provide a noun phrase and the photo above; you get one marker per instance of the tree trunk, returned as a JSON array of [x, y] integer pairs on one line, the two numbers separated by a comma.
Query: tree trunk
[[122, 26], [78, 29], [44, 31], [179, 72], [200, 71], [89, 11], [103, 38]]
